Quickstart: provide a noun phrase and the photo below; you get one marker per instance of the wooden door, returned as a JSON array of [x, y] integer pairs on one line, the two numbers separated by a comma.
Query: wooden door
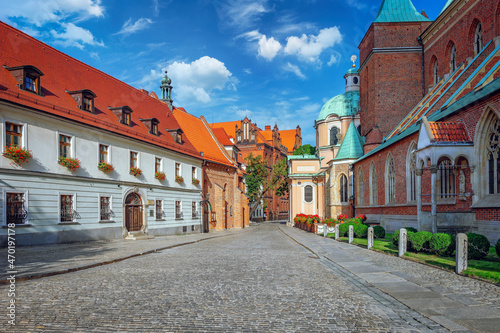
[[133, 212]]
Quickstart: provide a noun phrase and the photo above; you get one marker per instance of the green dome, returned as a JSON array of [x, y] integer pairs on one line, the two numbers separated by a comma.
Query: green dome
[[352, 71], [343, 105]]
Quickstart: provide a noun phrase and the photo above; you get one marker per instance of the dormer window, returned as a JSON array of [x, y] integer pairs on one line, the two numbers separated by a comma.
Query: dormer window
[[123, 113], [84, 99], [177, 135], [27, 77], [152, 125]]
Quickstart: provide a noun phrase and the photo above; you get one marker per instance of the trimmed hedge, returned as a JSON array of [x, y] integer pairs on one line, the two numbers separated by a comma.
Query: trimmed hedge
[[379, 232], [479, 246], [442, 244], [360, 231], [419, 241], [497, 247], [343, 229], [410, 229]]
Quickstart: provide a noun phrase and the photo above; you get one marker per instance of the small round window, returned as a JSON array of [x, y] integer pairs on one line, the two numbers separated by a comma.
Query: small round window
[[355, 80]]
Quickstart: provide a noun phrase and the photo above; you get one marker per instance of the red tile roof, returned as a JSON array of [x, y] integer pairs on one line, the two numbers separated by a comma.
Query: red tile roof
[[449, 132], [63, 73], [200, 134], [221, 135]]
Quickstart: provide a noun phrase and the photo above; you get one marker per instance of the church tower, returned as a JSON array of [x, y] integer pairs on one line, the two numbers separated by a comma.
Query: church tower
[[391, 66], [166, 90]]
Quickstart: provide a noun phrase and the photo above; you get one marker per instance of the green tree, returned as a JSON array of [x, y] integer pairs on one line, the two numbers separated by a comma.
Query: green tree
[[305, 150], [260, 179]]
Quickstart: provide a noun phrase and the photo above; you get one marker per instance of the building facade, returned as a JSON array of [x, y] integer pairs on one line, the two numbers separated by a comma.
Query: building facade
[[107, 161]]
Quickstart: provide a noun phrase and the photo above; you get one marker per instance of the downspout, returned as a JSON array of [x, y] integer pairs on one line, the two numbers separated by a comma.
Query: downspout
[[423, 65]]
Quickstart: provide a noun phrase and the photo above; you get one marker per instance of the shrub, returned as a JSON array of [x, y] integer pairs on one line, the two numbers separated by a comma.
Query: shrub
[[442, 244], [497, 247], [395, 238], [410, 229], [360, 231], [479, 246], [378, 231], [419, 241], [343, 229]]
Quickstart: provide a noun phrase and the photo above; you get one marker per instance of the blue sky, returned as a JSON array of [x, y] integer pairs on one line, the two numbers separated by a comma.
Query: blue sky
[[273, 61]]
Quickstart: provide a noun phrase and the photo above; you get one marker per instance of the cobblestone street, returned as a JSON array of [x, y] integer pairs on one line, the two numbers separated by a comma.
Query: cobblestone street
[[258, 280]]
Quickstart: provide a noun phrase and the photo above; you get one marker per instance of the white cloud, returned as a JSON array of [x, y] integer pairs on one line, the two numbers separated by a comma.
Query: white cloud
[[74, 36], [293, 69], [356, 4], [196, 80], [39, 12], [334, 58], [268, 48], [244, 113], [241, 13], [247, 71], [130, 28], [308, 48]]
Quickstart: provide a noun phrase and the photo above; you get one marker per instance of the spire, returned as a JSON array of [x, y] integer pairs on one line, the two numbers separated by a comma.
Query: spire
[[166, 90], [352, 144], [399, 11]]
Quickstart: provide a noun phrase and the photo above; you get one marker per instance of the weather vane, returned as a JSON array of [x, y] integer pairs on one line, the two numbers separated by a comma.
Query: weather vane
[[353, 59]]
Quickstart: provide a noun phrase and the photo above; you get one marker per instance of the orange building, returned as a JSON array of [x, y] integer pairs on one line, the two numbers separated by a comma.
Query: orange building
[[272, 145], [225, 204]]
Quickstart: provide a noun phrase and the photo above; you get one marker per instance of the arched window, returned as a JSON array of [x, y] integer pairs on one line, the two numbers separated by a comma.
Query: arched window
[[334, 135], [373, 185], [478, 39], [445, 179], [493, 158], [390, 180], [308, 194], [411, 163], [361, 190], [453, 58], [343, 189], [435, 73]]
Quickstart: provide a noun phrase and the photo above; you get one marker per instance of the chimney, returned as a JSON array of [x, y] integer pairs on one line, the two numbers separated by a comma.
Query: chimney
[[268, 127]]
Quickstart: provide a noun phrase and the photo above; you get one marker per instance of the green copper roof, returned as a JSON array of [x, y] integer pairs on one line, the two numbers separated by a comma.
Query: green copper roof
[[352, 145], [399, 11], [352, 71], [446, 6], [343, 105]]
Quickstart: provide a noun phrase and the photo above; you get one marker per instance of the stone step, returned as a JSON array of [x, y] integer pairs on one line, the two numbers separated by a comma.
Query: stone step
[[138, 235]]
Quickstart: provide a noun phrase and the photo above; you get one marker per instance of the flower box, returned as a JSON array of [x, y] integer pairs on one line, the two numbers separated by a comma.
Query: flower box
[[70, 163], [195, 181], [179, 179], [105, 167], [160, 175], [17, 154], [135, 171]]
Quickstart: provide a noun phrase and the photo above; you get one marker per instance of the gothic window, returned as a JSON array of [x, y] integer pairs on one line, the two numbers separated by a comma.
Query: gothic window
[[361, 189], [343, 189], [308, 194], [390, 180], [435, 73], [445, 179], [411, 163], [453, 59], [493, 158], [478, 39], [373, 185], [334, 135]]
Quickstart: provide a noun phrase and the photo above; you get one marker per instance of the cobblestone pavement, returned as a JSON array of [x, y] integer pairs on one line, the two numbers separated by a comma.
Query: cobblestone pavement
[[259, 280]]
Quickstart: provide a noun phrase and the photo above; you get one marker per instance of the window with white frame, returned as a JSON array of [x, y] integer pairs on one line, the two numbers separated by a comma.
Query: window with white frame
[[178, 210], [65, 142], [343, 189], [177, 169], [16, 207], [13, 134], [194, 209], [390, 180], [158, 164], [103, 153], [493, 157], [67, 212], [134, 159], [193, 173], [373, 185], [105, 212]]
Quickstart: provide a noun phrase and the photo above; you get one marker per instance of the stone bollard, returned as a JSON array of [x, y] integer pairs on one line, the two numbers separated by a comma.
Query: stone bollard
[[325, 230], [336, 231], [370, 237], [402, 242], [351, 233], [461, 253]]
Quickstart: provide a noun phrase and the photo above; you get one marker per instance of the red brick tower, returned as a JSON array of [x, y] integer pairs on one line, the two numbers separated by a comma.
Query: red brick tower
[[391, 65]]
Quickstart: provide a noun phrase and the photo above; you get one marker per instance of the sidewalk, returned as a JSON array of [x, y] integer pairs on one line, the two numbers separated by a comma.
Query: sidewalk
[[45, 260], [458, 303]]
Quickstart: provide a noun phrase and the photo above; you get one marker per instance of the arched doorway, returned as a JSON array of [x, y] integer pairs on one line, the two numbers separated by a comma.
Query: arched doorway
[[133, 212]]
